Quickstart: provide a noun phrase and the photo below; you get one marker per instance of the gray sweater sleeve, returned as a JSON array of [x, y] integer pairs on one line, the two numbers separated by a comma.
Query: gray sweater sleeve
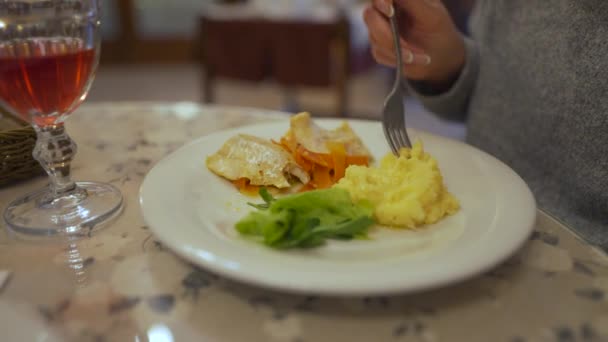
[[451, 104]]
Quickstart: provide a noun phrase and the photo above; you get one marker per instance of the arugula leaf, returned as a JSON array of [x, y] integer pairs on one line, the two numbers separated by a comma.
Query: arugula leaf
[[307, 219], [266, 196], [262, 206], [347, 229]]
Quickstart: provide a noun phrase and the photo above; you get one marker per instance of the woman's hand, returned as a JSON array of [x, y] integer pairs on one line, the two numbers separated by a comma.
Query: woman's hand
[[433, 50]]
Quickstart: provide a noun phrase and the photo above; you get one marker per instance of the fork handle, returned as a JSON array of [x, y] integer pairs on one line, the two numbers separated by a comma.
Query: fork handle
[[395, 29]]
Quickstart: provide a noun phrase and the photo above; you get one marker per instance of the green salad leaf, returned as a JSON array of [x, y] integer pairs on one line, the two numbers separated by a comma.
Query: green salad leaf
[[266, 196], [306, 219]]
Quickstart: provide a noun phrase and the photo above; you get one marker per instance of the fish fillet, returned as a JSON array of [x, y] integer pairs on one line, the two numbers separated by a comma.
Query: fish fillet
[[315, 139], [256, 159]]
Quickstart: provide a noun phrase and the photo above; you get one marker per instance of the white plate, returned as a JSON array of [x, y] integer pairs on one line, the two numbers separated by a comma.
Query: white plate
[[192, 211]]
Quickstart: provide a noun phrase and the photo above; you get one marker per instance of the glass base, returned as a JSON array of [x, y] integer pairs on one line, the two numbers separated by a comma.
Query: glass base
[[82, 211]]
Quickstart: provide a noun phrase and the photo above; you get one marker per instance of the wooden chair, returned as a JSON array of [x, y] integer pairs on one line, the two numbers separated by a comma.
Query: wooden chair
[[292, 53]]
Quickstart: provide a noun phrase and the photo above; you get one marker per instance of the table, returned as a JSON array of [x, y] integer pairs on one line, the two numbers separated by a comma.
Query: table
[[123, 285]]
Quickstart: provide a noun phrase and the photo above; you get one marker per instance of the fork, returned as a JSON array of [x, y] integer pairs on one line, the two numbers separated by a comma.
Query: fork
[[393, 112]]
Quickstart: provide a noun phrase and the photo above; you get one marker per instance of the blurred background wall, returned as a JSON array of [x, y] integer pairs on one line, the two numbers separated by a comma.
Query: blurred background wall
[[244, 53]]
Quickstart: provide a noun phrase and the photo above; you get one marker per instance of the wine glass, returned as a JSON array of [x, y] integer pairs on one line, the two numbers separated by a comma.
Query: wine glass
[[49, 51]]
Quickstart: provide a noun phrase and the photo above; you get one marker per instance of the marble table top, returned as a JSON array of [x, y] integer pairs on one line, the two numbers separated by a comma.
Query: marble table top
[[123, 285]]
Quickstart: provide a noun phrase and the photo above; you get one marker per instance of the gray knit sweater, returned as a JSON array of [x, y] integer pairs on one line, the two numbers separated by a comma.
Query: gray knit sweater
[[534, 93]]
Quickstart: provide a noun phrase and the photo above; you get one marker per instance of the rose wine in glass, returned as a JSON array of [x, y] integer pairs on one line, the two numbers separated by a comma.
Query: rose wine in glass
[[48, 79], [49, 50]]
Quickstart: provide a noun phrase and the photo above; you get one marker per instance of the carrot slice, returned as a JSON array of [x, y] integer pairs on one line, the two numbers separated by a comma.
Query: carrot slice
[[240, 183], [244, 187], [357, 160], [324, 169], [338, 155], [305, 164], [321, 177], [317, 158], [289, 142]]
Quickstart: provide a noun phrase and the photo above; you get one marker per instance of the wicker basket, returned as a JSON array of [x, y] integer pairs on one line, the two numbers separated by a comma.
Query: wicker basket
[[17, 140]]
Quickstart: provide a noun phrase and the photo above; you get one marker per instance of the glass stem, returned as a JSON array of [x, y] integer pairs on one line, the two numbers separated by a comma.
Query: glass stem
[[54, 151]]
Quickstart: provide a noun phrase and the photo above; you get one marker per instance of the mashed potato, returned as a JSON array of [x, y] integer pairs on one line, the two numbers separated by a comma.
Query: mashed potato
[[407, 191]]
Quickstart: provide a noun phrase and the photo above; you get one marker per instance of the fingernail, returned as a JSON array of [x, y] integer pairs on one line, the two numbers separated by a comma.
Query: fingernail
[[407, 56], [424, 59], [415, 58], [387, 8]]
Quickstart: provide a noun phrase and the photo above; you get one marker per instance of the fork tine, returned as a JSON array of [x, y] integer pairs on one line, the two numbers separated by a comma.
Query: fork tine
[[399, 141], [402, 137], [396, 139], [395, 128], [401, 130], [396, 144], [389, 132], [406, 138], [390, 138]]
